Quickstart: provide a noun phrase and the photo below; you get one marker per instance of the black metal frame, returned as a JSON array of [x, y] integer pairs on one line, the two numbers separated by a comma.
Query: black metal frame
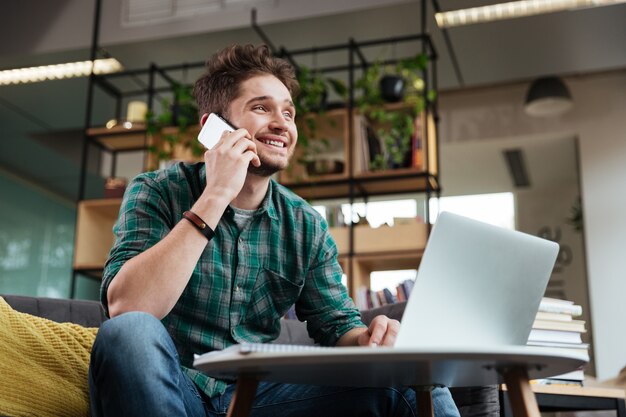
[[355, 61]]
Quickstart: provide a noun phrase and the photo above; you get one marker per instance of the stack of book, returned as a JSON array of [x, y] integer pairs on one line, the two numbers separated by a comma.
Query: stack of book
[[556, 327], [367, 298]]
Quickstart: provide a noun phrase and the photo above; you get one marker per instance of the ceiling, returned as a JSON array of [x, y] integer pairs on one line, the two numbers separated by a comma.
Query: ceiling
[[34, 116]]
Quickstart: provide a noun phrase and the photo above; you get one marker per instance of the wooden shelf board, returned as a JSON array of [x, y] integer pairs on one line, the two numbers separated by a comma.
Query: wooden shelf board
[[109, 206], [398, 185], [388, 173], [120, 138], [321, 189], [370, 183], [385, 261]]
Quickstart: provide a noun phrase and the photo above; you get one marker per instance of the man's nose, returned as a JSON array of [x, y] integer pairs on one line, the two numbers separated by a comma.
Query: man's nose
[[278, 124]]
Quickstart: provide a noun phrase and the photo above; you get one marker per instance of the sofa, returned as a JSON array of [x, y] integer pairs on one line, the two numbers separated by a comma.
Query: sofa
[[471, 401]]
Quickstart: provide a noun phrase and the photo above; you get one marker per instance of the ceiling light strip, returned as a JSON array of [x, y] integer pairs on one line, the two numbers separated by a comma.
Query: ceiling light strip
[[59, 71], [512, 10]]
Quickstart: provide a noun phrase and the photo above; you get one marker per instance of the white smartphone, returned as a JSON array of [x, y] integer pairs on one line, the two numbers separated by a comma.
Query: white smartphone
[[212, 130]]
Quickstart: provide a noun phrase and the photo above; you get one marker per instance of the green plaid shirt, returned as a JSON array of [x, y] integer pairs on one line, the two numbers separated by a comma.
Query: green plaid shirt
[[244, 281]]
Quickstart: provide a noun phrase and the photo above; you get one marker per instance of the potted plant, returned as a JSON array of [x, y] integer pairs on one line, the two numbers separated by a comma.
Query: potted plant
[[396, 128], [169, 129]]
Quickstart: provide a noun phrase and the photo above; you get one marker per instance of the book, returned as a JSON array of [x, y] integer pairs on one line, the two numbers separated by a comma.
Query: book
[[557, 300], [582, 348], [373, 298], [389, 298], [361, 144], [552, 305], [374, 145], [408, 287], [562, 336], [417, 142], [573, 325], [542, 315], [431, 127], [400, 294], [361, 298]]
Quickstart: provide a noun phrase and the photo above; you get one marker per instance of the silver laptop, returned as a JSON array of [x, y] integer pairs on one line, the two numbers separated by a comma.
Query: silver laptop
[[477, 285]]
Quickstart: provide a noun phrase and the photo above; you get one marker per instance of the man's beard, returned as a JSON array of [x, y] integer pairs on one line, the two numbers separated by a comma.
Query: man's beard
[[267, 169]]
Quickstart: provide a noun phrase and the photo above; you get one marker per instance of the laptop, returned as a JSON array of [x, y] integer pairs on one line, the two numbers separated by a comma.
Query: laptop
[[478, 285]]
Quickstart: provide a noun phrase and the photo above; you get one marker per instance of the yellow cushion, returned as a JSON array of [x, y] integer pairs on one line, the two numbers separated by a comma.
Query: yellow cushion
[[43, 365]]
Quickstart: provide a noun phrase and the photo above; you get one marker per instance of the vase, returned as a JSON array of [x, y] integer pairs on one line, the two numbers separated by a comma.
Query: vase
[[392, 88]]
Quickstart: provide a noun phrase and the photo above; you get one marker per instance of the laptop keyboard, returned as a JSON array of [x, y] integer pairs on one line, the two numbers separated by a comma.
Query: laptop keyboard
[[279, 348]]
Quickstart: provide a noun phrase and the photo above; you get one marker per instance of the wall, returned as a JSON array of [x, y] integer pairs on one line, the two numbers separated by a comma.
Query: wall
[[544, 211], [599, 121], [36, 242]]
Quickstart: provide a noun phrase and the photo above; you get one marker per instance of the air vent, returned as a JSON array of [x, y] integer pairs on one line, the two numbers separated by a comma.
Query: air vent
[[517, 167], [147, 12]]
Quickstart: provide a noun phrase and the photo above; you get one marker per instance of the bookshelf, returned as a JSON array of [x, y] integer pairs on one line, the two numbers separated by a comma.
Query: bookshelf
[[94, 234]]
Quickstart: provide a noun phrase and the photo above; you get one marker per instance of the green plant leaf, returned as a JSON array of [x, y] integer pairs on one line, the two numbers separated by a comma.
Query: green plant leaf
[[339, 87]]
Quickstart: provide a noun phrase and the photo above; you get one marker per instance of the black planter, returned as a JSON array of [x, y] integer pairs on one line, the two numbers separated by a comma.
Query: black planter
[[392, 88]]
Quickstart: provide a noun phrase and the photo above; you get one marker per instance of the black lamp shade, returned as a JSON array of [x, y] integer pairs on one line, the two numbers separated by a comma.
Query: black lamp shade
[[548, 96]]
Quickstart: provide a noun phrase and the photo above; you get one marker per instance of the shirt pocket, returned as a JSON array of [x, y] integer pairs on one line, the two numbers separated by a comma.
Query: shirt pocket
[[272, 296]]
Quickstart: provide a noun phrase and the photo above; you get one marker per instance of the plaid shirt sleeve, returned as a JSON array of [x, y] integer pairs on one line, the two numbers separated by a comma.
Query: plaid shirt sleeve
[[324, 302], [143, 221]]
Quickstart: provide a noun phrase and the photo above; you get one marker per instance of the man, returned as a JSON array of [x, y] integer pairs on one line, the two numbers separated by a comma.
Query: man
[[174, 287]]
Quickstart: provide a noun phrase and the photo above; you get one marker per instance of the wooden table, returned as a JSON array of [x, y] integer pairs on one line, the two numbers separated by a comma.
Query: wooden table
[[421, 369], [570, 398]]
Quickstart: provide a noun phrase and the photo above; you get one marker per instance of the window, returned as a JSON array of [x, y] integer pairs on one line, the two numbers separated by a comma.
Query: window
[[497, 209]]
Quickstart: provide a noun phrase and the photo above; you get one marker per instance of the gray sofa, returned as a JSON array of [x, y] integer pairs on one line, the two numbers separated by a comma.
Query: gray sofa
[[472, 402]]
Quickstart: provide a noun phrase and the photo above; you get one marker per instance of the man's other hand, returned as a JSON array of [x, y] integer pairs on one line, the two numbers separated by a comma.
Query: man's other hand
[[382, 331]]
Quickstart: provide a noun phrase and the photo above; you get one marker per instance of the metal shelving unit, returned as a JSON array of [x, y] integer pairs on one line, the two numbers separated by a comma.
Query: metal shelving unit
[[353, 185]]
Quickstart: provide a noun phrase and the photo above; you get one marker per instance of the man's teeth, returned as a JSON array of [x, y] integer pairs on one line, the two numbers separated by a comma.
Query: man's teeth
[[274, 143]]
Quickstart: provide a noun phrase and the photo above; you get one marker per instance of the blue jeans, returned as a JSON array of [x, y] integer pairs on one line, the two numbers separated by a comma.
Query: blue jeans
[[135, 371]]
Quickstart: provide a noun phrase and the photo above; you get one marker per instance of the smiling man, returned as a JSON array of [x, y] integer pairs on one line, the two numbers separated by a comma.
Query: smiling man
[[212, 254]]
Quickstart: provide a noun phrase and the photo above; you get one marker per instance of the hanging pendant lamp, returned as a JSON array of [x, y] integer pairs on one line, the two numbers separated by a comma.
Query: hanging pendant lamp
[[548, 96]]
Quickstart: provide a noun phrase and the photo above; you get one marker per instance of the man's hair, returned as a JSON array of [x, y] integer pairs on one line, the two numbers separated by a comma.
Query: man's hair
[[228, 68]]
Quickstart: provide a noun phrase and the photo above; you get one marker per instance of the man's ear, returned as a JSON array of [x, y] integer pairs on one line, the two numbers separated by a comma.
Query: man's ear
[[203, 119]]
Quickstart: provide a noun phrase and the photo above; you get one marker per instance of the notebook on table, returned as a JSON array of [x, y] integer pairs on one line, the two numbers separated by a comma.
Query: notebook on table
[[478, 285]]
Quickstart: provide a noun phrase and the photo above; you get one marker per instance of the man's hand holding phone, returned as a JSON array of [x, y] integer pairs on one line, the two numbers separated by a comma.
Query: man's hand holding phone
[[230, 152], [213, 129]]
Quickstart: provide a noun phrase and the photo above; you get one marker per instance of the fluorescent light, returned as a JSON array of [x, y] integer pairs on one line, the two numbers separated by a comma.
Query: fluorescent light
[[59, 71], [512, 10]]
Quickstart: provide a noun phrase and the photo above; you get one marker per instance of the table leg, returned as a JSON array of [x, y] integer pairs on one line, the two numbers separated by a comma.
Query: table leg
[[424, 399], [522, 398], [241, 402]]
